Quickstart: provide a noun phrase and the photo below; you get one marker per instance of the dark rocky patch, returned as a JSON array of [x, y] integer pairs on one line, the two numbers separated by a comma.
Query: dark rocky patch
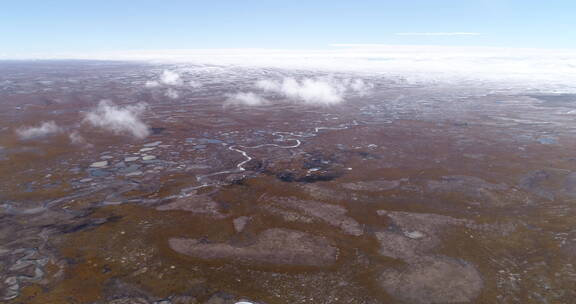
[[157, 130], [87, 224], [291, 177]]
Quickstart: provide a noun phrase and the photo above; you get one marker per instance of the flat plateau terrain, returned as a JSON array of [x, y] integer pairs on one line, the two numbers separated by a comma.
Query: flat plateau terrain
[[178, 190]]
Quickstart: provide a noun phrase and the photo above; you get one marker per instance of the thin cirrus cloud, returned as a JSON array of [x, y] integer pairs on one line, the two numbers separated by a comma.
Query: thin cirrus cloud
[[438, 34], [119, 120]]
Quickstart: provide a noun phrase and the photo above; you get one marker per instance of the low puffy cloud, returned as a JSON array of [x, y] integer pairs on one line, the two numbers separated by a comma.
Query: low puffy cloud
[[170, 78], [308, 90], [195, 84], [76, 138], [246, 98], [358, 86], [171, 93], [119, 120], [315, 90], [152, 84], [44, 129]]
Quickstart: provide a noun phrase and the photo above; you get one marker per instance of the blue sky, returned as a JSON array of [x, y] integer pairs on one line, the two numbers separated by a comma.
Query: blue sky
[[83, 26]]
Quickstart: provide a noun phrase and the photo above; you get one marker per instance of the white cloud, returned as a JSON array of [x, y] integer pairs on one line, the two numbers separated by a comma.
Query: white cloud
[[119, 120], [439, 34], [195, 84], [315, 90], [170, 78], [45, 129], [358, 86], [171, 93], [77, 139], [246, 98], [308, 90], [152, 84]]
